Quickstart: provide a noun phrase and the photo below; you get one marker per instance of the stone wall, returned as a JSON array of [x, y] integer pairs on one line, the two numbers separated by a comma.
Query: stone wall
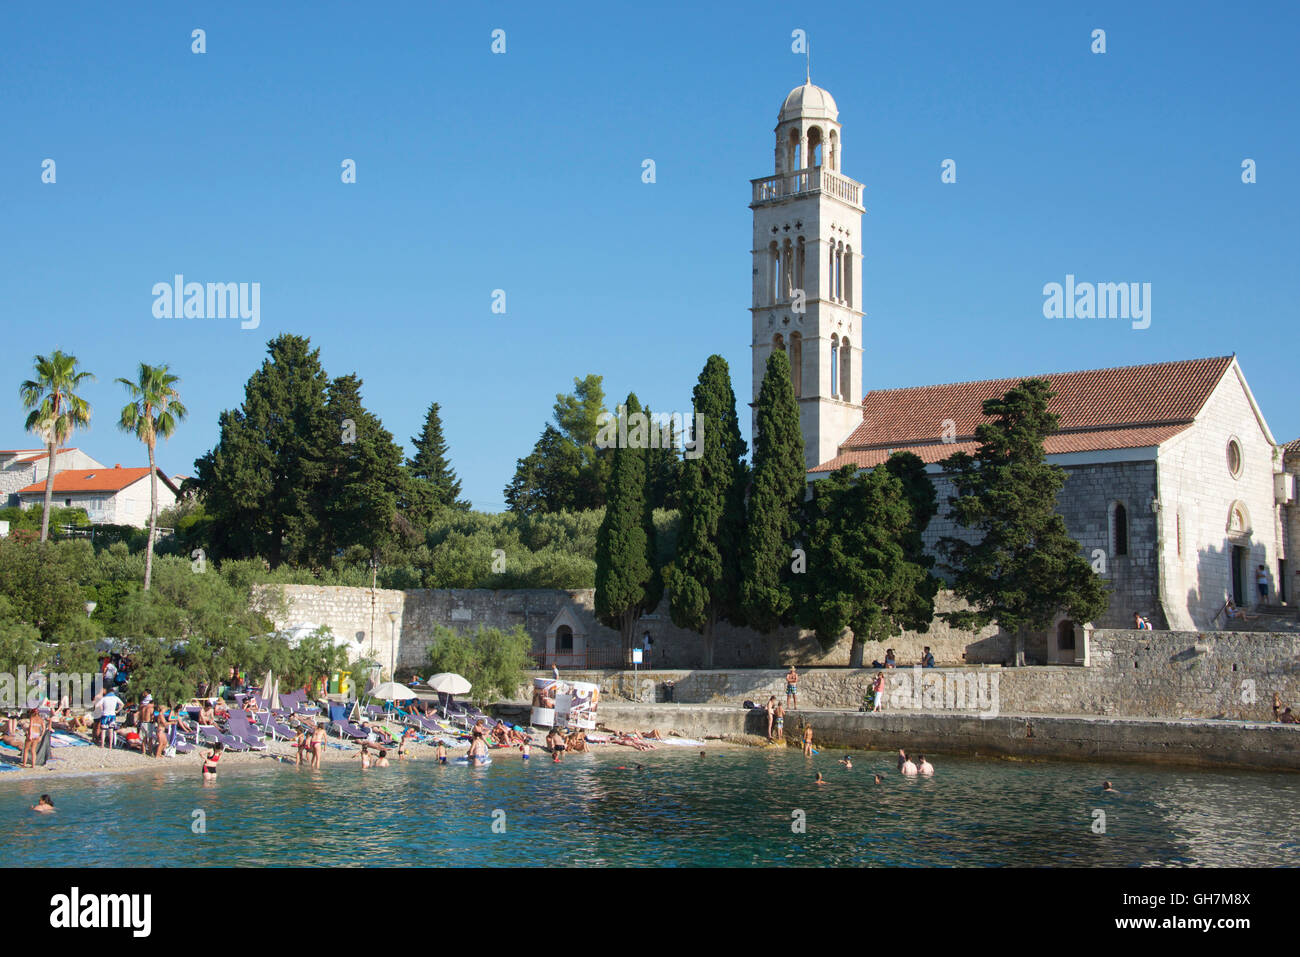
[[1130, 674], [362, 614]]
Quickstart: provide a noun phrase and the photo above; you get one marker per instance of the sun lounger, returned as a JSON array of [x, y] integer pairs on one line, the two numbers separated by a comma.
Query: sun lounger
[[177, 740], [239, 727], [346, 729], [212, 735]]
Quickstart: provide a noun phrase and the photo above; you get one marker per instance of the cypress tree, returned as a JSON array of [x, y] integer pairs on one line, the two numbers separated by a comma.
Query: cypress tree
[[434, 485], [357, 499], [1026, 568], [703, 579], [775, 501], [627, 583]]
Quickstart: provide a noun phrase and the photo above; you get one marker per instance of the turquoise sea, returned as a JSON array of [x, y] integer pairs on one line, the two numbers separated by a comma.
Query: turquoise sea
[[736, 807]]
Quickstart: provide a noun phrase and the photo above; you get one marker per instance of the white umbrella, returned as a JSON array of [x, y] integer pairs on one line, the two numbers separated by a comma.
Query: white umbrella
[[270, 690], [449, 683], [392, 691]]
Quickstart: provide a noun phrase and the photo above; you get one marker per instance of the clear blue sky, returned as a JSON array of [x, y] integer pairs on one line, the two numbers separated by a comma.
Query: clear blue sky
[[522, 172]]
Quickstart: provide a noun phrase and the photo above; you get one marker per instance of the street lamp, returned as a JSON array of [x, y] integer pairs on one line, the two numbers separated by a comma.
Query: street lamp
[[392, 648]]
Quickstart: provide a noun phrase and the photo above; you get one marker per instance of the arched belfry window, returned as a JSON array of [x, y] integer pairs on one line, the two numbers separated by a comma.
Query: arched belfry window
[[787, 269], [796, 363], [835, 365], [800, 261], [835, 150], [815, 146], [792, 154], [830, 273], [846, 369], [1119, 529]]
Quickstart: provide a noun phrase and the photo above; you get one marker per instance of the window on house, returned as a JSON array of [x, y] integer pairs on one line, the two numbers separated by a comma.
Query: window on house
[[1234, 458], [1121, 529]]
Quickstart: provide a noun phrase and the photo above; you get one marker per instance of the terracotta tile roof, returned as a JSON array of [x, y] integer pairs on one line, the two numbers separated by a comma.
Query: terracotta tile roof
[[1126, 407], [1291, 448], [33, 455], [93, 480]]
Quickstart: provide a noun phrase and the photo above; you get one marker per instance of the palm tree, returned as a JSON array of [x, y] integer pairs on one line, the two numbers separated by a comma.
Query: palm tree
[[56, 411], [153, 411]]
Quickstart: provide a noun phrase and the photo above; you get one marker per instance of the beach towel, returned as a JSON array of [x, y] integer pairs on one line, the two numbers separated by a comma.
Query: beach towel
[[8, 767], [61, 739], [43, 748], [684, 742]]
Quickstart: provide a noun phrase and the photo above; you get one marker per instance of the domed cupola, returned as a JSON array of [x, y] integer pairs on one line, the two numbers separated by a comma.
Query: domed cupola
[[808, 131]]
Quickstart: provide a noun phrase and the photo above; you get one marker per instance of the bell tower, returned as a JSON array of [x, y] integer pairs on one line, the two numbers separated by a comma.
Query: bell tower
[[807, 297]]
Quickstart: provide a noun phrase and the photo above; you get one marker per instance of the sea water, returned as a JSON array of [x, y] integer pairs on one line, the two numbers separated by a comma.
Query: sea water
[[735, 807]]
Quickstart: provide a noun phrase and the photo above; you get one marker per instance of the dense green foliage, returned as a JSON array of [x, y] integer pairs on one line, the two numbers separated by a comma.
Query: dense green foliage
[[1024, 569], [565, 471], [776, 496], [433, 485], [55, 411], [628, 580], [492, 660], [703, 579], [860, 573]]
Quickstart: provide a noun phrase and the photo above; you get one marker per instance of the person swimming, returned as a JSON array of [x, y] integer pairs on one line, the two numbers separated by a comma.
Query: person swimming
[[905, 764], [924, 767], [878, 779], [44, 805], [819, 779], [847, 761], [1108, 788]]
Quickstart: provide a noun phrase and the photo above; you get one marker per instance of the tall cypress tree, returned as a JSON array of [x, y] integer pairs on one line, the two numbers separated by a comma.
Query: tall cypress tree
[[358, 497], [775, 501], [434, 485], [259, 482], [1026, 568], [703, 579], [627, 583]]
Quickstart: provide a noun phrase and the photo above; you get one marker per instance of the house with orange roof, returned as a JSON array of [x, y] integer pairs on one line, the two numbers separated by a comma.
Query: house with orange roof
[[22, 467], [113, 496]]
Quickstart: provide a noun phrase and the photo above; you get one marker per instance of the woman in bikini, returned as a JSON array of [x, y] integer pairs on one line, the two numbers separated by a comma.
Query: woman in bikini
[[210, 763], [317, 745], [35, 728]]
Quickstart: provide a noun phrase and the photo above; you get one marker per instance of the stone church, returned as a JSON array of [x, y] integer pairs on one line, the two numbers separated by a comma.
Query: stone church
[[1175, 484]]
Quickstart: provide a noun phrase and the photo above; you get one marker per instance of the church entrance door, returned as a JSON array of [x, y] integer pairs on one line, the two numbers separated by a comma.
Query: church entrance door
[[1239, 576]]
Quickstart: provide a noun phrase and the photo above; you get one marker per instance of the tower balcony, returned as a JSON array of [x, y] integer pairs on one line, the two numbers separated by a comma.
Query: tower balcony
[[806, 182]]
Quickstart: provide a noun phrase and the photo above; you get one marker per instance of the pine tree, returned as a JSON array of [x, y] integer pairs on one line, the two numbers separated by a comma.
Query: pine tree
[[859, 532], [627, 583], [703, 579], [259, 482], [775, 502], [664, 465], [1026, 569], [566, 469], [434, 485], [357, 500]]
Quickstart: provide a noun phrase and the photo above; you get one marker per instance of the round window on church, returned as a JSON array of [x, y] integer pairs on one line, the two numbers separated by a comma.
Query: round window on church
[[1234, 458]]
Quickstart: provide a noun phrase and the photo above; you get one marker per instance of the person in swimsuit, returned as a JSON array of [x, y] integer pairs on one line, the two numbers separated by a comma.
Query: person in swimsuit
[[847, 762], [819, 779], [770, 708], [526, 749], [924, 768], [792, 689], [878, 692], [35, 728], [780, 723], [382, 761], [441, 753], [905, 764], [406, 738], [478, 750], [365, 756], [301, 744], [210, 762], [807, 741], [317, 745], [44, 805]]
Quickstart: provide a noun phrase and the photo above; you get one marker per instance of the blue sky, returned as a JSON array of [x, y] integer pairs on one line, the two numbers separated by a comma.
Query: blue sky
[[522, 171]]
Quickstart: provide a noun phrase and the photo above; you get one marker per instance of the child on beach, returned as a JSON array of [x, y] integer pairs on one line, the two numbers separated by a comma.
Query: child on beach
[[526, 749], [441, 753], [406, 738], [365, 757]]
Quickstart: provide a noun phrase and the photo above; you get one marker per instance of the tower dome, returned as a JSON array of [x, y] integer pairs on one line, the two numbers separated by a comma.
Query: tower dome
[[809, 102]]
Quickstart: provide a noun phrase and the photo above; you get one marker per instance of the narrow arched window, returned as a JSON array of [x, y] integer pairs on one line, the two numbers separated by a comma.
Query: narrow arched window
[[846, 369], [796, 363], [835, 150], [778, 343], [830, 274], [787, 270], [839, 271], [774, 272], [835, 365], [800, 262], [848, 276], [564, 639], [1121, 529]]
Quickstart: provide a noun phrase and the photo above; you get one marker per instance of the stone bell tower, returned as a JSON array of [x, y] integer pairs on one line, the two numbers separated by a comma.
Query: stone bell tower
[[807, 252]]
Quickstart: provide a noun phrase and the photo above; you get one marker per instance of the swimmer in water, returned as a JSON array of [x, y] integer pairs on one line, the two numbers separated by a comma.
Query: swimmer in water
[[905, 764], [441, 753], [847, 761], [44, 805], [1108, 788], [878, 780], [924, 768], [526, 749], [819, 779]]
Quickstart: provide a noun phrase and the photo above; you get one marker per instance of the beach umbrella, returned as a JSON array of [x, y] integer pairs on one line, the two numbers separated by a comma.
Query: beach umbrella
[[449, 683], [392, 691], [270, 690]]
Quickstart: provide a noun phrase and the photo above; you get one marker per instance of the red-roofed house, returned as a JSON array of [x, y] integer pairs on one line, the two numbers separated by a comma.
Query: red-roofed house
[[114, 496], [22, 467]]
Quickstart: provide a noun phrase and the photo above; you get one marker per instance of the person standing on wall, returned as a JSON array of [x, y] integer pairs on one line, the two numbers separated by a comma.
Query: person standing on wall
[[646, 644], [1261, 582], [792, 689]]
